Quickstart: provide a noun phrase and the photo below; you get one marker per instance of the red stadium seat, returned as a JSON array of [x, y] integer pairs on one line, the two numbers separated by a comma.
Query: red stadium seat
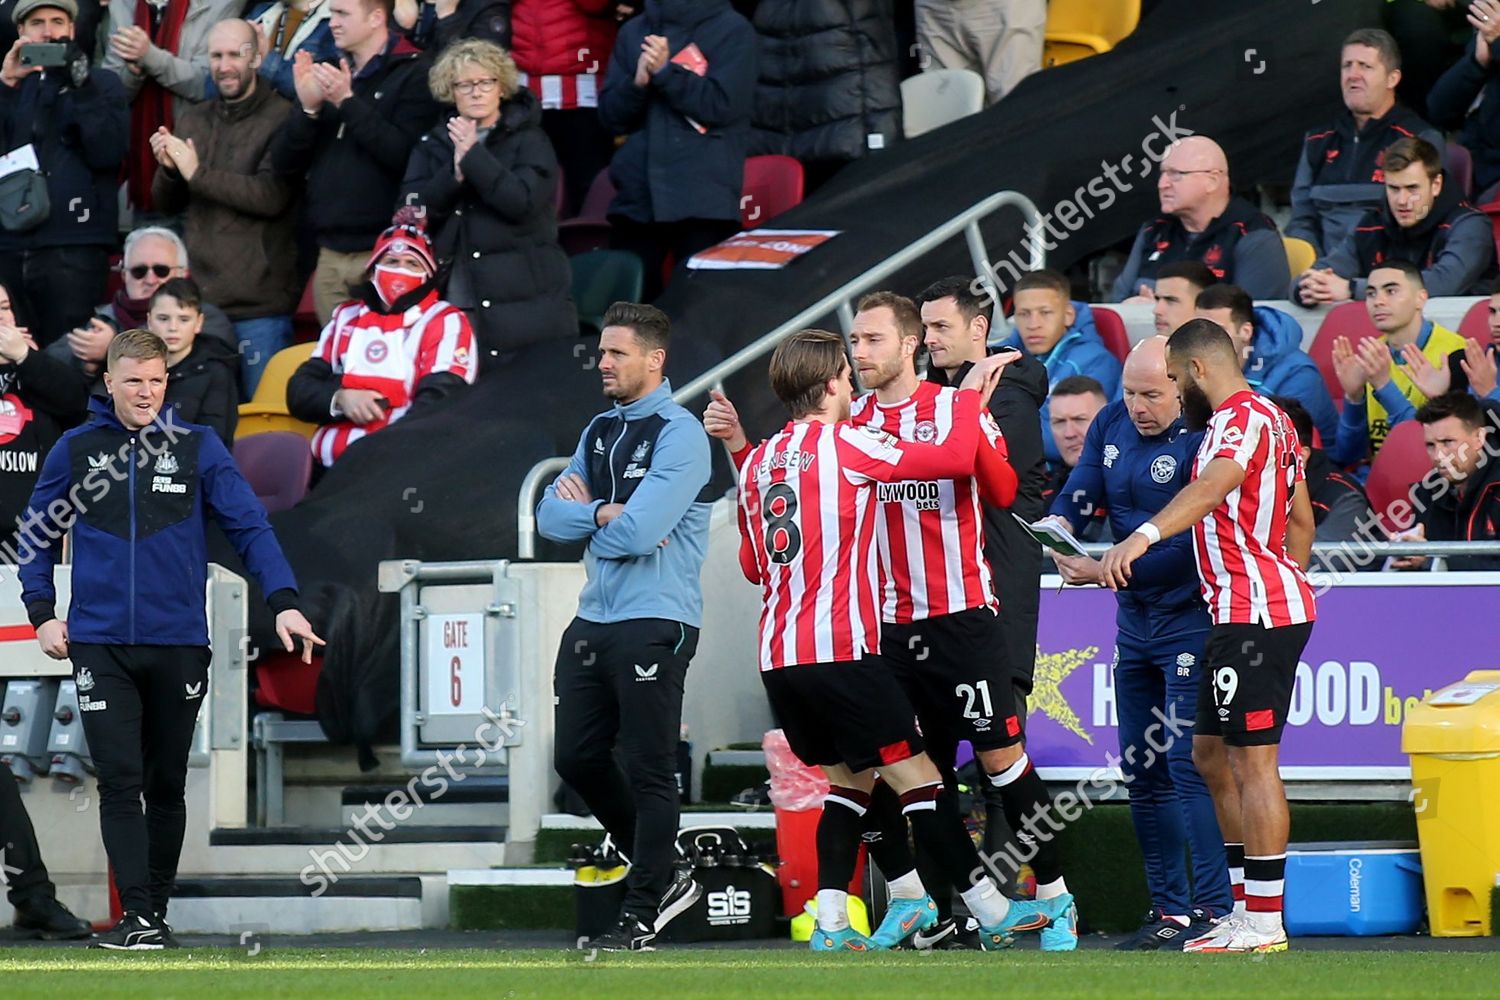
[[1460, 168], [578, 236], [1401, 461], [1493, 211], [595, 207], [1476, 322], [278, 466], [773, 184], [1112, 331], [1350, 319], [283, 681]]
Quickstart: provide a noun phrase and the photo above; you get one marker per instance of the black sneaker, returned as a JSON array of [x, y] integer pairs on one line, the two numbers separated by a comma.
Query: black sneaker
[[679, 897], [1159, 933], [630, 934], [168, 940], [1203, 921], [953, 934], [49, 920], [134, 932]]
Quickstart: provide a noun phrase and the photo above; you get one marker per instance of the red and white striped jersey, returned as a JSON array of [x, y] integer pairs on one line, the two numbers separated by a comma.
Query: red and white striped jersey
[[390, 354], [807, 516], [1248, 577], [564, 92], [930, 534]]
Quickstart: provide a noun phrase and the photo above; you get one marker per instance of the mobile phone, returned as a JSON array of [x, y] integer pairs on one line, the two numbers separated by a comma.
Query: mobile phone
[[46, 54]]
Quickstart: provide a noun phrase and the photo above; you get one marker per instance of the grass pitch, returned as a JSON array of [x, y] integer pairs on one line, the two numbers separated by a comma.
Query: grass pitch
[[226, 973]]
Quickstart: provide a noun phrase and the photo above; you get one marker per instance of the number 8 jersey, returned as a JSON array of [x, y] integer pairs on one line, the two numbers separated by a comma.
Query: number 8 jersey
[[807, 516]]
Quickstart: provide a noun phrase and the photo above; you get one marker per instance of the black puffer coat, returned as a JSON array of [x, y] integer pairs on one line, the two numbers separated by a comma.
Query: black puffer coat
[[498, 229], [829, 79]]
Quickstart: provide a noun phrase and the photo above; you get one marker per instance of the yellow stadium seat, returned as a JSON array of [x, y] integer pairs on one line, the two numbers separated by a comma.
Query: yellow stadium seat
[[267, 410], [1077, 29], [1300, 254]]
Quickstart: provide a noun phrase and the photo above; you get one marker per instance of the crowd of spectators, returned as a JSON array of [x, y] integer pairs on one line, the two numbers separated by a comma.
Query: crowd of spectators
[[274, 142]]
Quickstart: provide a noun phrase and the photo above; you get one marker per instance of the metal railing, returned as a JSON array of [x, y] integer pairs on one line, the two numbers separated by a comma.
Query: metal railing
[[1376, 549], [840, 301]]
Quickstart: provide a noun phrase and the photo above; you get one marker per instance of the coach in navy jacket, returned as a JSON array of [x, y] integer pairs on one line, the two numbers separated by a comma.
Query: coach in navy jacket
[[134, 485], [1133, 467]]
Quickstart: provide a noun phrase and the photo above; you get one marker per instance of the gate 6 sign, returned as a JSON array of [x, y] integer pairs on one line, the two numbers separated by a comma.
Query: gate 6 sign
[[454, 661]]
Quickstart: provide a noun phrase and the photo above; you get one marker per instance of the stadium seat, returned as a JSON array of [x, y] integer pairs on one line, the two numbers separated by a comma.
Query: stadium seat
[[267, 410], [305, 325], [600, 279], [1493, 211], [595, 207], [1401, 461], [1476, 322], [283, 681], [936, 97], [1459, 166], [1077, 29], [278, 466], [1112, 331], [1300, 254], [578, 236], [1348, 319], [773, 184]]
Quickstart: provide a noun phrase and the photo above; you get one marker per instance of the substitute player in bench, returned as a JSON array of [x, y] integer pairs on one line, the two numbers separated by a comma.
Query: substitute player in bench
[[1252, 523]]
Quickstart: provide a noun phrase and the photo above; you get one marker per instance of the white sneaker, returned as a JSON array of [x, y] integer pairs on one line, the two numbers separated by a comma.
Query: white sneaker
[[1222, 928], [1243, 937]]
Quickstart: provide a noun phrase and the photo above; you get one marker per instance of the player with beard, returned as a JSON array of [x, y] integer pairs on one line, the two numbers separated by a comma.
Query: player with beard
[[940, 627], [1252, 521], [809, 517]]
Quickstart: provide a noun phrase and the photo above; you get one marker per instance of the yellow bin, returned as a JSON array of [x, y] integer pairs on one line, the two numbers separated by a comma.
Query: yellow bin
[[1453, 738]]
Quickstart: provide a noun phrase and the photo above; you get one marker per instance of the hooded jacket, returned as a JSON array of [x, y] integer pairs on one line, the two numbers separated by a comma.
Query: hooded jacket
[[684, 155], [651, 455], [498, 228], [1454, 245], [1278, 366], [1242, 247], [1014, 556], [205, 389], [830, 84], [1451, 101], [1340, 173], [1080, 351], [138, 503], [355, 155]]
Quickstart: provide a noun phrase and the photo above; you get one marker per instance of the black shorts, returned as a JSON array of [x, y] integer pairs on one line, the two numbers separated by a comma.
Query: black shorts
[[954, 670], [844, 712], [1244, 694]]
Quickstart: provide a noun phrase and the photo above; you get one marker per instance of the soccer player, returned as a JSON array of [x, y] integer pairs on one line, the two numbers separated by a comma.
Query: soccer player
[[807, 518], [940, 630], [1252, 523]]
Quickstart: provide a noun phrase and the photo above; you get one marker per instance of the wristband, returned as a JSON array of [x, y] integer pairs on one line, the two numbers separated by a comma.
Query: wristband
[[1150, 532]]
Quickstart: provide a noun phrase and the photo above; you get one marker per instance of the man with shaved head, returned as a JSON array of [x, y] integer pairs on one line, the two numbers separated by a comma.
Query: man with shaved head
[[1137, 456], [216, 166], [1252, 524], [1202, 220]]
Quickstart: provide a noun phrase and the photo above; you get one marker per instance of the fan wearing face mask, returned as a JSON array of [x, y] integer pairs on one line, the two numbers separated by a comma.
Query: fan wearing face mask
[[395, 349]]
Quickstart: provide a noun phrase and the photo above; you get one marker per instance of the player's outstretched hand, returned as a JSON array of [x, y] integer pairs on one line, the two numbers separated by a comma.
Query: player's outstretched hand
[[721, 420], [290, 623], [1114, 568]]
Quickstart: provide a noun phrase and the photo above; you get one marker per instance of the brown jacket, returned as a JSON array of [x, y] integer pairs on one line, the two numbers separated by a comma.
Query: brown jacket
[[241, 217]]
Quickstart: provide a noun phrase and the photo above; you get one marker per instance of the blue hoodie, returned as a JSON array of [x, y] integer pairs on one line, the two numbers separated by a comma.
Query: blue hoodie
[[1080, 351], [1278, 366], [137, 502], [651, 455]]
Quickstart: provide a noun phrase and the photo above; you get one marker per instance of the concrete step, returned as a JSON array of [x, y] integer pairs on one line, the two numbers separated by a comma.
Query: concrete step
[[253, 905]]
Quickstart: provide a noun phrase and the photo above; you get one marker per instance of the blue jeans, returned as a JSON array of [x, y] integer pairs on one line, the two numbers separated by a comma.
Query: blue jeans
[[259, 339], [1169, 803]]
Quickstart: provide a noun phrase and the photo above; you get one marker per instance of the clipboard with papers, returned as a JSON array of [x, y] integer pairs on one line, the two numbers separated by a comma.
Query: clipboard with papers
[[1052, 535]]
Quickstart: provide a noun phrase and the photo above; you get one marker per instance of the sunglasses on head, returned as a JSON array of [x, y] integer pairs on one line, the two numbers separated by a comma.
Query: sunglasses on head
[[160, 270]]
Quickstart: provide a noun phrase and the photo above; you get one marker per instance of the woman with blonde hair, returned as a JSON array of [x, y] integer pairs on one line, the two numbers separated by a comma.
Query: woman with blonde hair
[[487, 180]]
